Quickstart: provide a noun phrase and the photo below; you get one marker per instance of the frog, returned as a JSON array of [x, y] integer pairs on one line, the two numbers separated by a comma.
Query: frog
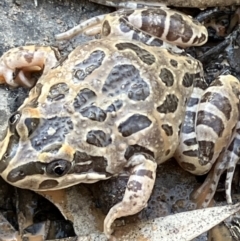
[[120, 105]]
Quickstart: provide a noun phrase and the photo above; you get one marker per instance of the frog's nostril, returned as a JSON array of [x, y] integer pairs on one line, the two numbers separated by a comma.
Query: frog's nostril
[[58, 168]]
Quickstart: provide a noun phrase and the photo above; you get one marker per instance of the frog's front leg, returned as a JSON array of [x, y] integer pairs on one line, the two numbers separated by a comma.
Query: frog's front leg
[[17, 64], [208, 130], [138, 191]]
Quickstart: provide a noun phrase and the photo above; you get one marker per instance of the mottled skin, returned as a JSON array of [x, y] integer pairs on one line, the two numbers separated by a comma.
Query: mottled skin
[[119, 106]]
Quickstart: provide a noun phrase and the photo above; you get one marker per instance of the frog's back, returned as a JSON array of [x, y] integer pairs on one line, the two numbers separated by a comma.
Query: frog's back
[[121, 97]]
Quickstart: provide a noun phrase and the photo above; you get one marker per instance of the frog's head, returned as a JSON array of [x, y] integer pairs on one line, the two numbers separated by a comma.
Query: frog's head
[[40, 153]]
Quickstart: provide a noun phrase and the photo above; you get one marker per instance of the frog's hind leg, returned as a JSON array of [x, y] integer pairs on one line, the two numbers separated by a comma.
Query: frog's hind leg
[[147, 25], [17, 64], [230, 154], [138, 191], [89, 27], [129, 4], [161, 23], [208, 142]]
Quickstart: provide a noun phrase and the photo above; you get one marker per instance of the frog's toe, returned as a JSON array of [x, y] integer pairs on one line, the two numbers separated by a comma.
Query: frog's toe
[[16, 78], [17, 64], [7, 76], [203, 196], [107, 228]]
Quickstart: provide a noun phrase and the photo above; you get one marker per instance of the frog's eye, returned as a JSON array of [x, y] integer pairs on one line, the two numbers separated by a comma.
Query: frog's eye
[[58, 168], [13, 120]]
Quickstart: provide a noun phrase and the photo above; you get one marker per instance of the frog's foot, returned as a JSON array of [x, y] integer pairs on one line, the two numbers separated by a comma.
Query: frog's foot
[[205, 193], [138, 191], [17, 64]]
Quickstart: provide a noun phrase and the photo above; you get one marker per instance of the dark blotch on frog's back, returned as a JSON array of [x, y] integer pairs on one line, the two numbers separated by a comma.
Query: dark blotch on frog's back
[[174, 63], [134, 124], [115, 106], [126, 79], [60, 127], [98, 138], [169, 105], [58, 92], [84, 98], [87, 66], [145, 56], [94, 113], [167, 129], [83, 103], [166, 77]]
